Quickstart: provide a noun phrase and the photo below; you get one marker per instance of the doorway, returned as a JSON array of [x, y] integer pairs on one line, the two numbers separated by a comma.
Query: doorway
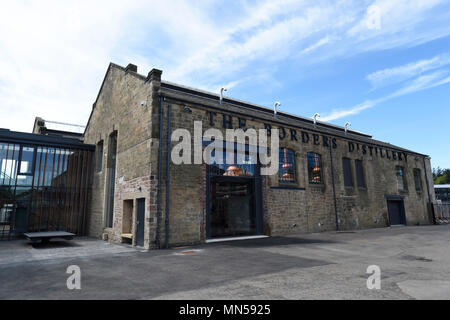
[[396, 212], [232, 208], [127, 221], [233, 195], [140, 223]]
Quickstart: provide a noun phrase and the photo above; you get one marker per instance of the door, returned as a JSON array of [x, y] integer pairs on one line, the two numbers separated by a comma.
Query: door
[[232, 207], [140, 222], [396, 212]]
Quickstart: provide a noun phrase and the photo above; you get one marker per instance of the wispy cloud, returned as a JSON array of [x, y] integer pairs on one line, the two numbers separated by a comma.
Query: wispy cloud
[[317, 44], [398, 74], [53, 54], [422, 82]]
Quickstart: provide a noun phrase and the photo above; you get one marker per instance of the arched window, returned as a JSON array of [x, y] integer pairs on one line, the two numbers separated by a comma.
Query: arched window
[[286, 172], [314, 168]]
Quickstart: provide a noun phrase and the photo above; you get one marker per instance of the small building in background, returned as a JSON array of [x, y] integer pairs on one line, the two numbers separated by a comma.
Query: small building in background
[[442, 192]]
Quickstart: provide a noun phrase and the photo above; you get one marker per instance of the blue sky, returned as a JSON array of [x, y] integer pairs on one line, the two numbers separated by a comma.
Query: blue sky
[[382, 65]]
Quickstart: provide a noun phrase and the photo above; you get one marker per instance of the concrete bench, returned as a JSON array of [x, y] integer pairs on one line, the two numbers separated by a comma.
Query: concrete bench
[[45, 237]]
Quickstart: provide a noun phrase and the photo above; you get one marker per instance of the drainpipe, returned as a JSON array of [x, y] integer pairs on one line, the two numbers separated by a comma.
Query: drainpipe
[[428, 190], [334, 188], [169, 109], [158, 199]]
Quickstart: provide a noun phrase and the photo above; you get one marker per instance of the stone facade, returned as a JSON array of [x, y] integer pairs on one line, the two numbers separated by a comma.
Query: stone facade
[[130, 104]]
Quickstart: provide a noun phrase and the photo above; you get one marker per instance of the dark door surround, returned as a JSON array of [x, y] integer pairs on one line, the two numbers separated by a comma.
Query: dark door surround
[[257, 198], [396, 210], [140, 222]]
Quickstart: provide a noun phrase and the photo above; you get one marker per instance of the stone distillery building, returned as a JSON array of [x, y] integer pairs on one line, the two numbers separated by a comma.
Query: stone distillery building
[[329, 177]]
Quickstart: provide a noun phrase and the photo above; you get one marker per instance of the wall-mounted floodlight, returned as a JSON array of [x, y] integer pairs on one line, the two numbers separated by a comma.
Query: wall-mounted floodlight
[[275, 105], [317, 115], [348, 124], [221, 94]]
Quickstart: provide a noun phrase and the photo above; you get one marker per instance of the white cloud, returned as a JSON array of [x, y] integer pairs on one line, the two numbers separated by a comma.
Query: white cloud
[[338, 114], [423, 82], [317, 44], [398, 74], [53, 54]]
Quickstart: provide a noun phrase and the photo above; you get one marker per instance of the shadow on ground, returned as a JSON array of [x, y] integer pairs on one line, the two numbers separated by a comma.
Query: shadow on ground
[[273, 242], [54, 244]]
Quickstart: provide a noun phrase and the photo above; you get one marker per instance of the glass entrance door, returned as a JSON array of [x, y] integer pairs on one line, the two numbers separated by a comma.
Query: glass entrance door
[[232, 207], [233, 194]]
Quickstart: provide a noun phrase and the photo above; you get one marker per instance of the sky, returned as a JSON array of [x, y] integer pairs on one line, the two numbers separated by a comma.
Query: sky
[[383, 65]]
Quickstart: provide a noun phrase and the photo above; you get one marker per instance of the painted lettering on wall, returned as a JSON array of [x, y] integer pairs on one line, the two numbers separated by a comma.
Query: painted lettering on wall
[[315, 139]]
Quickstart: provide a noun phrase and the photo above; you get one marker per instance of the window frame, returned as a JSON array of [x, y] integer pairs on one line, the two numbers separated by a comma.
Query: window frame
[[404, 182], [282, 154], [310, 173], [347, 172], [417, 173], [99, 157], [363, 174]]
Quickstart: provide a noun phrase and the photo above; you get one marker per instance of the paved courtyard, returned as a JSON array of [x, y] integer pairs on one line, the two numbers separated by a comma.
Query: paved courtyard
[[413, 261]]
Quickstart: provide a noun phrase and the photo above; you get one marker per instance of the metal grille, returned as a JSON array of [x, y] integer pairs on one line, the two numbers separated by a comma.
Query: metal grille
[[442, 213], [42, 189]]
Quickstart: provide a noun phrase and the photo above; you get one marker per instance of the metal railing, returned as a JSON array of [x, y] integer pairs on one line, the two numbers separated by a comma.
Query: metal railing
[[441, 213]]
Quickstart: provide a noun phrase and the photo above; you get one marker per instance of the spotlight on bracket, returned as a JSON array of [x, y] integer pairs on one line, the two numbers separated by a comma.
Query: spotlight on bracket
[[348, 124], [221, 94], [317, 115], [275, 105]]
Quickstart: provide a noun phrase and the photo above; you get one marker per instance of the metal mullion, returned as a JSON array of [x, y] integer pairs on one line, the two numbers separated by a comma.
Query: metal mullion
[[58, 190], [43, 188], [76, 193], [71, 194], [33, 171], [80, 204], [3, 183], [12, 221], [4, 174], [69, 164], [50, 204], [38, 185]]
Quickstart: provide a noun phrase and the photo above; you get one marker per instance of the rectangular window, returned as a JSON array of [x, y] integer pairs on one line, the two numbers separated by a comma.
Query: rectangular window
[[418, 180], [26, 163], [314, 168], [401, 180], [99, 156], [360, 178], [286, 172], [348, 176]]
